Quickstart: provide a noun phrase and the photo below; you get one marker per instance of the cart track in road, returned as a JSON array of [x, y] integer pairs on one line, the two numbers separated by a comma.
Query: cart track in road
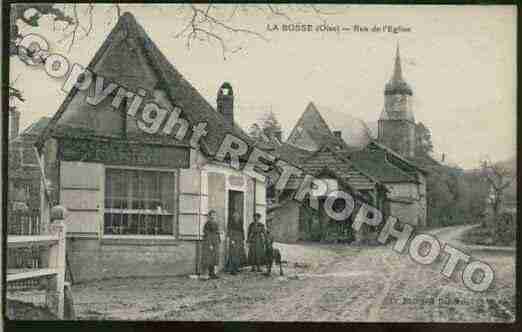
[[375, 308], [321, 283]]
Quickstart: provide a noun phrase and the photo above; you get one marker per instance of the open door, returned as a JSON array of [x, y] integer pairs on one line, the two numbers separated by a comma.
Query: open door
[[236, 200], [235, 203]]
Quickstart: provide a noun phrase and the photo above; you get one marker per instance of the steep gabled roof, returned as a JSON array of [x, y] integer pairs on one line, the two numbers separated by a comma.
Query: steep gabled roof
[[179, 91], [354, 131], [314, 124]]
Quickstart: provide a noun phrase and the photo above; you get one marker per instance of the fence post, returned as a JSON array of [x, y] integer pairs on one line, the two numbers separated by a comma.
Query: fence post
[[57, 255]]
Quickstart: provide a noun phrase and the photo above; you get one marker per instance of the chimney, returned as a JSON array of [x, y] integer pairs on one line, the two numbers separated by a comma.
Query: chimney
[[14, 122], [337, 133], [225, 103]]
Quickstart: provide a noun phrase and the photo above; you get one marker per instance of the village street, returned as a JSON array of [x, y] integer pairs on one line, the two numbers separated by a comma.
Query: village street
[[321, 283]]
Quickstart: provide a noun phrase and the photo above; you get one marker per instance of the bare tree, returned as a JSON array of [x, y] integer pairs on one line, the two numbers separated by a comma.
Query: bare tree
[[204, 22], [208, 23], [499, 178]]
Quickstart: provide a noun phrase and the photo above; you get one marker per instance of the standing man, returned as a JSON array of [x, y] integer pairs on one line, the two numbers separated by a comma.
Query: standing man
[[236, 237], [256, 240], [211, 242]]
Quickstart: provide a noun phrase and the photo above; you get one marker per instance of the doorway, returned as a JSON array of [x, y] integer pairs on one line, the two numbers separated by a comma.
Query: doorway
[[235, 204]]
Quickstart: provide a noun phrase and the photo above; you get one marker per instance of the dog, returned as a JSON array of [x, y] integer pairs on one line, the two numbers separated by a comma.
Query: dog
[[272, 255]]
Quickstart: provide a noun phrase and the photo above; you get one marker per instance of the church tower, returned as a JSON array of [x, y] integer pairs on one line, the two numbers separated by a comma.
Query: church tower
[[397, 123]]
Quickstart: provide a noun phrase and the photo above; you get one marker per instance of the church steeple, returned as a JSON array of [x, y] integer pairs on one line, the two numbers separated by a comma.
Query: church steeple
[[397, 123], [397, 70], [397, 84]]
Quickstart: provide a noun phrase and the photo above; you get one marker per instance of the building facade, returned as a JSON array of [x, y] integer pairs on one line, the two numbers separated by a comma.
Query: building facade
[[138, 199], [292, 221], [387, 178]]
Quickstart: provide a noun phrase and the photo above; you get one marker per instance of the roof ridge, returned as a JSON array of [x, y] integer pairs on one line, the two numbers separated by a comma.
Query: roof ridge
[[388, 149], [349, 162], [168, 75]]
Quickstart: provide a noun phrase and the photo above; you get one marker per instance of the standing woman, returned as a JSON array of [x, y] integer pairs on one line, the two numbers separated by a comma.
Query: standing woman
[[256, 240], [211, 242], [236, 236]]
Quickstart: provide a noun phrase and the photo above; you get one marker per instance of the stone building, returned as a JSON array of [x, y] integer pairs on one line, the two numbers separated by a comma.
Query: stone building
[[138, 198]]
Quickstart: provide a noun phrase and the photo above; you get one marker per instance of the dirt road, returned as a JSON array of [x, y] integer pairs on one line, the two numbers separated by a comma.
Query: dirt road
[[321, 283]]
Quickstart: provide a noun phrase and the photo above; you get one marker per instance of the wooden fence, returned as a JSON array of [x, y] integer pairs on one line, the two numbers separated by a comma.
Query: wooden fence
[[49, 244], [24, 223]]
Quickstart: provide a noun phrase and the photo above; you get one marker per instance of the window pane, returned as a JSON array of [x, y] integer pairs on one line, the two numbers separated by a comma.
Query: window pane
[[144, 198]]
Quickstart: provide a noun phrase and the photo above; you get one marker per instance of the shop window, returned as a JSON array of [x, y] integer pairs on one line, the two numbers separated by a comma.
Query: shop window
[[139, 202]]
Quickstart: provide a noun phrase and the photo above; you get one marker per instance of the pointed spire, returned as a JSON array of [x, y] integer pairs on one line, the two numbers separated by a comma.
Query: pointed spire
[[397, 70], [397, 84]]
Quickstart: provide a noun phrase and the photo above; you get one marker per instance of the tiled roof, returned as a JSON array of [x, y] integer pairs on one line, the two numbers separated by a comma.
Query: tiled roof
[[375, 163], [312, 121], [354, 132], [425, 160], [195, 108], [410, 163], [292, 154]]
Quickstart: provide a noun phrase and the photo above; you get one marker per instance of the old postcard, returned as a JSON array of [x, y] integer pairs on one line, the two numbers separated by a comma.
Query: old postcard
[[257, 162]]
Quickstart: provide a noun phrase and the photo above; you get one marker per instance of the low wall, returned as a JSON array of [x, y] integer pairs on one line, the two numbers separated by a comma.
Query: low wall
[[409, 213], [94, 259]]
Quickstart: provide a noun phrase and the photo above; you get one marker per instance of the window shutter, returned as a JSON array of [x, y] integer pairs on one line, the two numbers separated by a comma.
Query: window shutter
[[193, 203], [81, 192], [250, 203], [261, 199]]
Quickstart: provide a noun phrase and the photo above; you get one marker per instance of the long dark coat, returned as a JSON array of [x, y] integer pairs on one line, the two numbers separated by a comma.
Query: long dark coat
[[211, 242], [257, 245], [236, 252]]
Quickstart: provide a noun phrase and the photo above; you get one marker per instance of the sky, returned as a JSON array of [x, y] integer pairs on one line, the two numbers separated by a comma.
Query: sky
[[459, 60]]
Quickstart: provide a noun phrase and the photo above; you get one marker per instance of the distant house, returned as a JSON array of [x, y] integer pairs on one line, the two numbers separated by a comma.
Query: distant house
[[404, 180], [138, 201], [24, 177], [291, 221], [383, 171]]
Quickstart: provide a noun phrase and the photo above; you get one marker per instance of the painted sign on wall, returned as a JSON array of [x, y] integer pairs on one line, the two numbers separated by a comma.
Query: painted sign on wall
[[124, 153]]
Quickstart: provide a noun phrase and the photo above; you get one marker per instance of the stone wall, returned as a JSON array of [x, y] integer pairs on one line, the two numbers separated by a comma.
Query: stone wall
[[405, 212], [409, 202], [94, 259]]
